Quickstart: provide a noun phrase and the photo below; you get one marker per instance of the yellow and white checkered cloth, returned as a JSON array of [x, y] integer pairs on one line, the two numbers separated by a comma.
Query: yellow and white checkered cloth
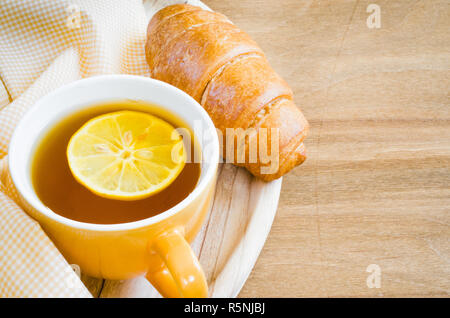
[[43, 45]]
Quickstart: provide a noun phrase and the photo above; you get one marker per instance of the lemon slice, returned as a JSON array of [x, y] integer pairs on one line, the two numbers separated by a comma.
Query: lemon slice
[[126, 155]]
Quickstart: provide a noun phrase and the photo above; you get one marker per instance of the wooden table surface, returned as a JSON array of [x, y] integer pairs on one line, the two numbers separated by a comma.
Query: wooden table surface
[[376, 186]]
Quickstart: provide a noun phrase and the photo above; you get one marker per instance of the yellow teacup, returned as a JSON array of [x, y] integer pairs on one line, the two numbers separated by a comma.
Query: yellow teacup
[[157, 246]]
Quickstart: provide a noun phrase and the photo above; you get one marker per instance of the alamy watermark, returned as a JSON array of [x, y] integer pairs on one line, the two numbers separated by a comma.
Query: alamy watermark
[[71, 280], [374, 278], [240, 146], [374, 19], [73, 20]]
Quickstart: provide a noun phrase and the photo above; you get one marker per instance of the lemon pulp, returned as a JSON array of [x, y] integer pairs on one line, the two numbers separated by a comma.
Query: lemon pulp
[[126, 155]]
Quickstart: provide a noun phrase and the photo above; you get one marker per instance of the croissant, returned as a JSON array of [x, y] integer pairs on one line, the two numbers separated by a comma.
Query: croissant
[[207, 56]]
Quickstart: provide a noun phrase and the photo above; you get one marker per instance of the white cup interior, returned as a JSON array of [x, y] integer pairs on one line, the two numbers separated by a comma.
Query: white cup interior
[[85, 93]]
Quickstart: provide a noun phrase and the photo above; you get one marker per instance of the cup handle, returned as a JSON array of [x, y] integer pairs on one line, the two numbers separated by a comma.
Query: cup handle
[[177, 271]]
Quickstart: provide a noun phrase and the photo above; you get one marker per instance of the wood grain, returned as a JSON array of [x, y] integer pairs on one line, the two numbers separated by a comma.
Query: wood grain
[[376, 186]]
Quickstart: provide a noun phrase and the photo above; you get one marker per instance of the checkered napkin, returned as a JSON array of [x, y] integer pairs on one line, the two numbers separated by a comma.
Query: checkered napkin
[[44, 45]]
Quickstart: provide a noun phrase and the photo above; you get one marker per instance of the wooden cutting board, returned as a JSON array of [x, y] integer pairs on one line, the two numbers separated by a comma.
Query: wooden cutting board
[[234, 232]]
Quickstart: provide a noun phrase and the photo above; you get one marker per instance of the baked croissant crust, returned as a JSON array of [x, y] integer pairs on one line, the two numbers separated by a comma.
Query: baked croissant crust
[[220, 66]]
